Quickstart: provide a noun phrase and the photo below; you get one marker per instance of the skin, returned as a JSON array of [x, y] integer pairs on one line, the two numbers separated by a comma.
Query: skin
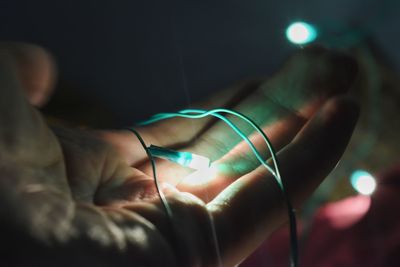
[[70, 197]]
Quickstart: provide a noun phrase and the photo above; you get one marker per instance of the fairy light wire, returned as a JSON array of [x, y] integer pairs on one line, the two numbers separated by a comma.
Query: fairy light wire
[[201, 114], [163, 199], [215, 112]]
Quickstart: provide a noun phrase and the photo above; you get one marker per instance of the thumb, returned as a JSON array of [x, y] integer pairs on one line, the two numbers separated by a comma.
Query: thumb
[[24, 134], [35, 69]]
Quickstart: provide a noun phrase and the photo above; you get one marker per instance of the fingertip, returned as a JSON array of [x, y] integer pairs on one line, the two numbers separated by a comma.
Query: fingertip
[[340, 116], [318, 147], [36, 69], [333, 116], [331, 71], [347, 68], [342, 106], [346, 63]]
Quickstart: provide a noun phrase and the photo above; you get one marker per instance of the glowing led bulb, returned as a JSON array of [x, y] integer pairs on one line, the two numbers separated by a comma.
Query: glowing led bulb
[[186, 159], [198, 162], [301, 33], [363, 182]]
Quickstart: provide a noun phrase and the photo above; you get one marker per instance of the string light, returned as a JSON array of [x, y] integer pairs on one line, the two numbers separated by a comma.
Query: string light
[[363, 182], [204, 174], [185, 159], [301, 33]]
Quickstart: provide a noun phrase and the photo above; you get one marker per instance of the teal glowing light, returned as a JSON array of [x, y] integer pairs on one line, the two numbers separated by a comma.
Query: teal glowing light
[[204, 175], [301, 33], [186, 159], [193, 161], [363, 182]]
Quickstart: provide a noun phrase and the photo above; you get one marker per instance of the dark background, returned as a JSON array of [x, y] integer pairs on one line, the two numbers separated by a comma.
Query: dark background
[[136, 58]]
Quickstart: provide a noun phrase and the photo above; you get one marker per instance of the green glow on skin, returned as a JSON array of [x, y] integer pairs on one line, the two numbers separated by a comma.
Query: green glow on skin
[[201, 176]]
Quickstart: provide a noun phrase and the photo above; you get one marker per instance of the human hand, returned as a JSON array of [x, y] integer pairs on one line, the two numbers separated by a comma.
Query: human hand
[[72, 197]]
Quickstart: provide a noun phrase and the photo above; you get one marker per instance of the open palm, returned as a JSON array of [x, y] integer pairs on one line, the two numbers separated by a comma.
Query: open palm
[[73, 197]]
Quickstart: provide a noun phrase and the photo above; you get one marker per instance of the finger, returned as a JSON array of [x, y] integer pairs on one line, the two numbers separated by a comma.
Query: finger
[[189, 230], [248, 210], [235, 163], [35, 69], [32, 185], [26, 143], [281, 106], [183, 131], [305, 82], [301, 86]]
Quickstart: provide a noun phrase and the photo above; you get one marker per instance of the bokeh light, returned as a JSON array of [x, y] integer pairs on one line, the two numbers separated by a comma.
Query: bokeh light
[[301, 33], [363, 182]]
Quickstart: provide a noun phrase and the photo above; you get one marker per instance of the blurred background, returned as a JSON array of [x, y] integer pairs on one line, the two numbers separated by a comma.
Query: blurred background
[[121, 61], [122, 53]]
